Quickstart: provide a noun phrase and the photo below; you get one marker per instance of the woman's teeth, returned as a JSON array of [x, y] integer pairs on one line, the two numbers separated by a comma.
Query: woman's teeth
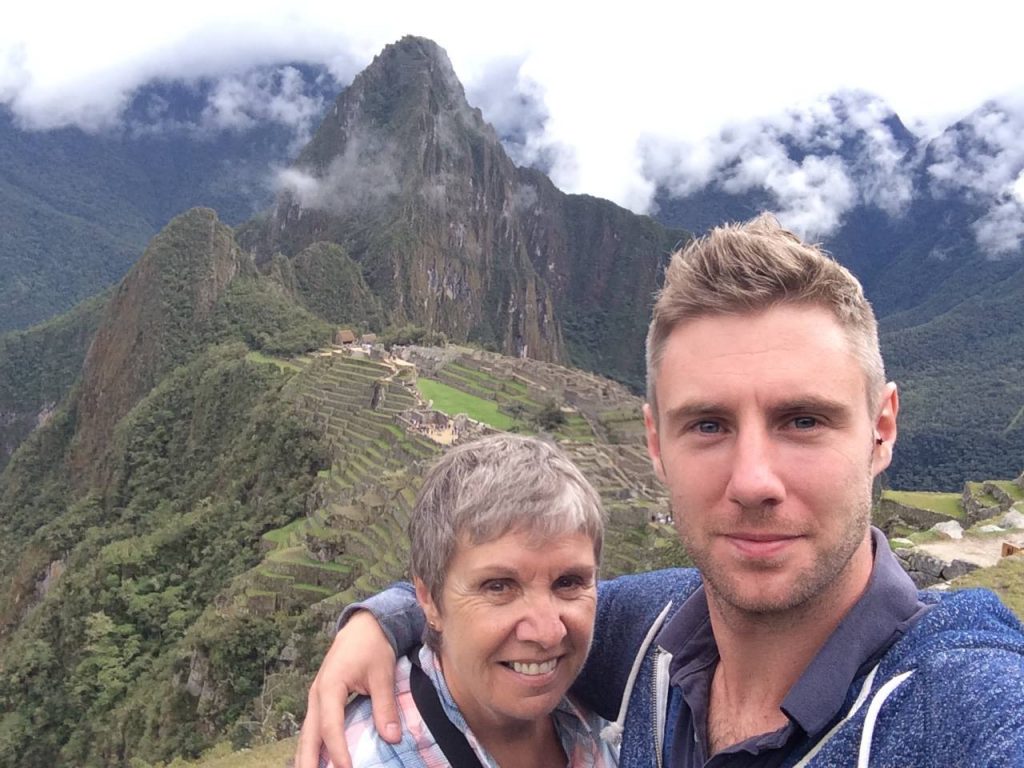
[[533, 668]]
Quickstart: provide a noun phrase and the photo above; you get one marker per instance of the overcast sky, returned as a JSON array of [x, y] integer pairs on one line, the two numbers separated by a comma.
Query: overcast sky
[[666, 93]]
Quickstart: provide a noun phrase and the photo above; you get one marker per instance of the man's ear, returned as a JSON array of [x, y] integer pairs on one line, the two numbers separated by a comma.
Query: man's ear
[[427, 603], [653, 444], [885, 428]]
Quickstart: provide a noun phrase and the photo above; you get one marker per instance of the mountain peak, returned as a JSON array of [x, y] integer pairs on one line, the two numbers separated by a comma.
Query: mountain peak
[[156, 318], [409, 92]]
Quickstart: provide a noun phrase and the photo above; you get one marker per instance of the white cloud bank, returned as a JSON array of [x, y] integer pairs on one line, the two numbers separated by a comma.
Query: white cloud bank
[[618, 101], [984, 158]]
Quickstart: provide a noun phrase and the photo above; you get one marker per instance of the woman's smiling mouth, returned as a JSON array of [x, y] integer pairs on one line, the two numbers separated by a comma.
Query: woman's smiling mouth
[[532, 668]]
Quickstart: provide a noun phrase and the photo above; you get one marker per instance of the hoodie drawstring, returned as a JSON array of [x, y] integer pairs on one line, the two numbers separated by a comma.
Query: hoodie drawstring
[[612, 733]]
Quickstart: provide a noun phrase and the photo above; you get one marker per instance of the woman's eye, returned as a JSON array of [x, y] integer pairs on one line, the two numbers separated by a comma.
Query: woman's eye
[[496, 586], [570, 582]]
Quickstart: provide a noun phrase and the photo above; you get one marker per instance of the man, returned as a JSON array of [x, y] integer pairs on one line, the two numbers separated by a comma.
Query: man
[[800, 641]]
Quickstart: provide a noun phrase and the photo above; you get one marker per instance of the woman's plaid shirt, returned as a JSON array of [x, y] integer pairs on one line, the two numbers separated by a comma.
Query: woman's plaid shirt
[[578, 730]]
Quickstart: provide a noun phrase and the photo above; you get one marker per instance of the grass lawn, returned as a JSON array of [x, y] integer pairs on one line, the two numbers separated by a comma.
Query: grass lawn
[[453, 401], [943, 503]]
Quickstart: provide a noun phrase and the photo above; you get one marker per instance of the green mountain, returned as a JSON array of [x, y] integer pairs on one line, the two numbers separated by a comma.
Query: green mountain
[[38, 368], [449, 234], [200, 495], [404, 213]]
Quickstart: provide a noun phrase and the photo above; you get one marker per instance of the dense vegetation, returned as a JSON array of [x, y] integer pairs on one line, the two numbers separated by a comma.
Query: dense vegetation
[[961, 410], [210, 460], [257, 311], [38, 367]]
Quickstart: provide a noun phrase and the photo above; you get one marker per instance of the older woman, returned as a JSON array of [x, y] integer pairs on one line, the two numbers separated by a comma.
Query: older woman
[[506, 537]]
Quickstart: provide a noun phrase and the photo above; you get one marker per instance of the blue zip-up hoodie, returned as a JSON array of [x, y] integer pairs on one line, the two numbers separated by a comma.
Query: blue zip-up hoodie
[[948, 693]]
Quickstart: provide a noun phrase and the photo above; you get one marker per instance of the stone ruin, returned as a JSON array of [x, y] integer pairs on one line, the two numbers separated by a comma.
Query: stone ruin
[[926, 570]]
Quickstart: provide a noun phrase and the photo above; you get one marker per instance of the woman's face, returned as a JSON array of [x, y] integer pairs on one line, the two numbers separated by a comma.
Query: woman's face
[[516, 618]]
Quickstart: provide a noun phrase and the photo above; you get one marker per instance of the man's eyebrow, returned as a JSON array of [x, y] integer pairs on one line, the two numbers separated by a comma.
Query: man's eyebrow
[[694, 410], [813, 404]]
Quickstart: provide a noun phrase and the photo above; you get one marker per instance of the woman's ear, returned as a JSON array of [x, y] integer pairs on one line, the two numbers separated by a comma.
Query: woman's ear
[[426, 601]]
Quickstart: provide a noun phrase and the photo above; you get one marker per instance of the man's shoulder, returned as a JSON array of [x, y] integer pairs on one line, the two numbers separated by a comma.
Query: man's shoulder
[[968, 641], [969, 619]]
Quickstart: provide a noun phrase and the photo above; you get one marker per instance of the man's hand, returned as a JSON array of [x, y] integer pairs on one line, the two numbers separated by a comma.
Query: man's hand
[[360, 660]]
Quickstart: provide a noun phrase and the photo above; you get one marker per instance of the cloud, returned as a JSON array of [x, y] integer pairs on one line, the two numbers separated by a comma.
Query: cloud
[[982, 158], [603, 102], [234, 103], [816, 162], [513, 103], [280, 96], [363, 176]]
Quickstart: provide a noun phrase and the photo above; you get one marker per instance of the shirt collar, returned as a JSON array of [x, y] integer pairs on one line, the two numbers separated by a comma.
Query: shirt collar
[[885, 611]]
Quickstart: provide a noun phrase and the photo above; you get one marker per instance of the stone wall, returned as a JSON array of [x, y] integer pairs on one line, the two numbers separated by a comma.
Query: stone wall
[[927, 570], [975, 510], [888, 513]]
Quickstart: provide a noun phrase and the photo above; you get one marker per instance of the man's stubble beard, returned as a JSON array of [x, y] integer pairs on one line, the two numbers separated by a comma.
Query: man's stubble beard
[[811, 586]]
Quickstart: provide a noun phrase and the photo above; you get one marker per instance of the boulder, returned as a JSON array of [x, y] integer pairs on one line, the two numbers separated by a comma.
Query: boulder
[[958, 568], [922, 562], [922, 580], [990, 529], [1012, 519], [950, 528]]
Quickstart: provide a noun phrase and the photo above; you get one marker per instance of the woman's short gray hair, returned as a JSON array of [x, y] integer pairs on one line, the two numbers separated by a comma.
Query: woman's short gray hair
[[479, 491]]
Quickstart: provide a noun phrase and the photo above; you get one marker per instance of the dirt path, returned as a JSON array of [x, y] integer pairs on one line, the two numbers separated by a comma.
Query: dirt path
[[981, 550]]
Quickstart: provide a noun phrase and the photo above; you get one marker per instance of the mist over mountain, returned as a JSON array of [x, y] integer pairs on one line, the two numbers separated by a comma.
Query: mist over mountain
[[79, 206], [451, 235]]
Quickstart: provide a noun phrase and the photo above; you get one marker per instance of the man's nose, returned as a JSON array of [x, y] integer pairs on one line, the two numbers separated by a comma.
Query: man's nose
[[754, 481], [541, 622]]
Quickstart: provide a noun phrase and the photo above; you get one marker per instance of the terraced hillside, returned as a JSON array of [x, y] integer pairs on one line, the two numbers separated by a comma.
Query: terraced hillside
[[388, 417], [601, 429], [351, 542], [384, 433]]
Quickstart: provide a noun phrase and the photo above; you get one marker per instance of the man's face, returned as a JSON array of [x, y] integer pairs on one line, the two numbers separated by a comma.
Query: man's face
[[768, 449]]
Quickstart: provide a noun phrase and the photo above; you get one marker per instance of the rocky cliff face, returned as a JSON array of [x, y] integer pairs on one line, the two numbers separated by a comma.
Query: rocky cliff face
[[448, 232], [155, 319]]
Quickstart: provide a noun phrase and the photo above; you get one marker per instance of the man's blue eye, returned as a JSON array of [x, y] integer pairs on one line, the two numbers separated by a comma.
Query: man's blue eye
[[708, 427], [805, 422]]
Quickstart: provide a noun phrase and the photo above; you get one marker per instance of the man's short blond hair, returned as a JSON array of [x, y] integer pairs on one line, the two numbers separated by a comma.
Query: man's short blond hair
[[747, 268]]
